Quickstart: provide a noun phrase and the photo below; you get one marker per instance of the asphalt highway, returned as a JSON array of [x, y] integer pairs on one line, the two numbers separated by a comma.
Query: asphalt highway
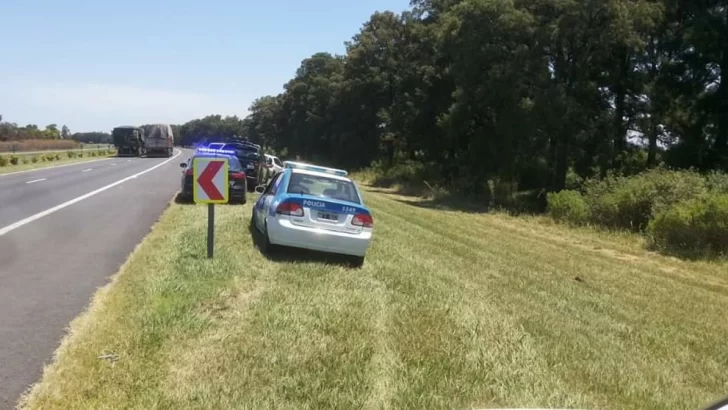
[[63, 232]]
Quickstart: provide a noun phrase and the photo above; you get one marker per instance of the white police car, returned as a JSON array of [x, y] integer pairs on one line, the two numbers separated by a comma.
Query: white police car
[[312, 207]]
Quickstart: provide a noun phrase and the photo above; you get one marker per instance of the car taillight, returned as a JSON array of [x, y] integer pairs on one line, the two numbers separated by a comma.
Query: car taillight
[[290, 208], [363, 220], [237, 175]]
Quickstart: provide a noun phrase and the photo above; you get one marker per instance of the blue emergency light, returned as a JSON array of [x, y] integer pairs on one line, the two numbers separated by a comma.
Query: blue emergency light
[[315, 168], [215, 151]]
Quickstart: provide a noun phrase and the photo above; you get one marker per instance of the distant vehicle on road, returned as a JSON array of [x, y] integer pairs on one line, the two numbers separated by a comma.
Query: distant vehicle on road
[[316, 208], [159, 140], [236, 175], [129, 141], [252, 158]]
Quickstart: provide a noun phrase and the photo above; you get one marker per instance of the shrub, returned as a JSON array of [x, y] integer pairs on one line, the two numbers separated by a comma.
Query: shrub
[[14, 160], [696, 227], [71, 154], [50, 157], [34, 160], [3, 162], [58, 157], [631, 202], [568, 206], [717, 182]]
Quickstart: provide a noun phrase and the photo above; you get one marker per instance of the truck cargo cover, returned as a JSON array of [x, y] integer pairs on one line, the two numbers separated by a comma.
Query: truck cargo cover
[[158, 131]]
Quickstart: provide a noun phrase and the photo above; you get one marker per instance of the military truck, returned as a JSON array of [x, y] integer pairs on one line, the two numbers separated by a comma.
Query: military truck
[[129, 141], [159, 140]]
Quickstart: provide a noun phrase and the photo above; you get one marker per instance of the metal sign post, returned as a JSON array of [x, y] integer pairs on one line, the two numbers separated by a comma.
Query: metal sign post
[[210, 186]]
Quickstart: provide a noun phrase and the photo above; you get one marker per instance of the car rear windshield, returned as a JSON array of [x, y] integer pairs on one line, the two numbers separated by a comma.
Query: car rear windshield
[[248, 153], [233, 163], [325, 187]]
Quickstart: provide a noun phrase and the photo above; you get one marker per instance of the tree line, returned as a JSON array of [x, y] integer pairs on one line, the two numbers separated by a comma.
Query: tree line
[[526, 93], [10, 131]]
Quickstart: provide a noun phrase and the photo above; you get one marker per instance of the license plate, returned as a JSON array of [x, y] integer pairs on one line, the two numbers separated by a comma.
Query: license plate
[[327, 216]]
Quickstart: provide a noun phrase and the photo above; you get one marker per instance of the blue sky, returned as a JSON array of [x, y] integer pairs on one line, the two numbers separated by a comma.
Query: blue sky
[[95, 64]]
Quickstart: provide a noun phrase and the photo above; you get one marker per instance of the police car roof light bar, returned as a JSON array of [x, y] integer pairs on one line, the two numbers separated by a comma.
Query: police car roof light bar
[[216, 151], [316, 168]]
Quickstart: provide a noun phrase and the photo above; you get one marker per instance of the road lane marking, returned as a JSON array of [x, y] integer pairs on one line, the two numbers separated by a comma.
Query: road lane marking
[[54, 166], [66, 204], [35, 180], [87, 170]]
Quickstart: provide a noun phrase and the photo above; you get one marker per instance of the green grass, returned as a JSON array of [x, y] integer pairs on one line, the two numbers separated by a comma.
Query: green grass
[[25, 161], [451, 310]]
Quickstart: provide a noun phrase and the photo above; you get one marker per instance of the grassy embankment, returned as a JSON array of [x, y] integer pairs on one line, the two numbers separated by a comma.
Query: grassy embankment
[[26, 161], [452, 309]]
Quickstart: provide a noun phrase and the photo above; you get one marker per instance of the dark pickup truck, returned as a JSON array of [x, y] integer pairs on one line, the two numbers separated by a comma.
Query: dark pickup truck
[[252, 159]]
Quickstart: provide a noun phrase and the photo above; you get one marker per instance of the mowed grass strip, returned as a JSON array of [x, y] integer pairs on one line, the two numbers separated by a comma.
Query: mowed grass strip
[[451, 310]]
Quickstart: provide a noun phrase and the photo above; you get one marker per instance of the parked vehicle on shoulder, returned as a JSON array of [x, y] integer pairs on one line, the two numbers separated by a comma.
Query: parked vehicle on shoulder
[[216, 145], [237, 181], [312, 207], [272, 166], [252, 159]]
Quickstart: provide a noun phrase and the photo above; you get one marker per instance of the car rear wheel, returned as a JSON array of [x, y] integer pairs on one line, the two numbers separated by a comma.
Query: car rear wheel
[[265, 245]]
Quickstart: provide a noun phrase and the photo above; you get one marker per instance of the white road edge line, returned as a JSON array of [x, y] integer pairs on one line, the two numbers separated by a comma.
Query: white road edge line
[[66, 204], [36, 180], [87, 170], [54, 166]]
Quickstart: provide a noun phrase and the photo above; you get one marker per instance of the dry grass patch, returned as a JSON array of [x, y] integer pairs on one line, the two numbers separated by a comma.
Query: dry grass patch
[[38, 145], [451, 310]]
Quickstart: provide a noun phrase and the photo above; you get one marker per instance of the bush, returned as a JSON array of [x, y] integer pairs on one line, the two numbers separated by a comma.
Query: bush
[[34, 160], [58, 157], [717, 182], [50, 157], [696, 227], [3, 162], [568, 206], [71, 154], [631, 202], [14, 160]]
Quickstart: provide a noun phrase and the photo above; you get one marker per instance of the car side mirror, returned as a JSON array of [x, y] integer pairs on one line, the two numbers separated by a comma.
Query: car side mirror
[[182, 165], [260, 189]]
